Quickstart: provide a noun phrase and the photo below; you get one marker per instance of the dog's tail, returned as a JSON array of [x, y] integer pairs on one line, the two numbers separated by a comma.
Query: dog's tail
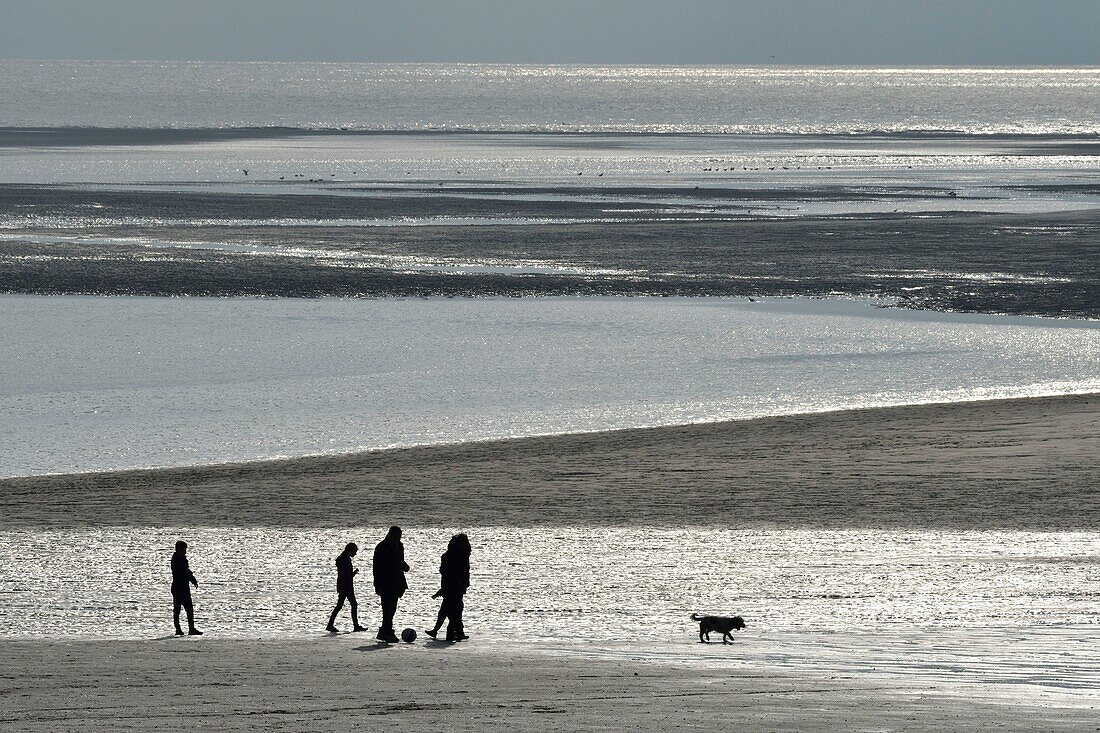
[[695, 617]]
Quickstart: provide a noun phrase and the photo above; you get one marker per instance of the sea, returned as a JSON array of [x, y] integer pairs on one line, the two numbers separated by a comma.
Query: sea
[[212, 262]]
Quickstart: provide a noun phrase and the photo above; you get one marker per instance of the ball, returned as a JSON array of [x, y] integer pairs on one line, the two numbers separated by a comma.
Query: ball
[[408, 636]]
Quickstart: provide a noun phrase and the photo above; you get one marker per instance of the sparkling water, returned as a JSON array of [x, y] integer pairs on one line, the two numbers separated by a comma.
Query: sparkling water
[[110, 383]]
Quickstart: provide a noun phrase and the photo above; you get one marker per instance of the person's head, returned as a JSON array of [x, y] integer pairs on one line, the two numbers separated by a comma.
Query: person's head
[[460, 543], [351, 549], [394, 533], [181, 547]]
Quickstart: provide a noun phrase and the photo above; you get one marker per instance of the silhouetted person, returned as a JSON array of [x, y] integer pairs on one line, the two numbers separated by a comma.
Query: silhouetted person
[[454, 572], [389, 580], [345, 587], [182, 580]]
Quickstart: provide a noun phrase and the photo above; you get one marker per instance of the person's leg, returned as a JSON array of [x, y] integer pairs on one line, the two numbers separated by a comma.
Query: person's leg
[[439, 619], [389, 608], [460, 630], [354, 613], [454, 613], [449, 604], [190, 608], [335, 612], [176, 606]]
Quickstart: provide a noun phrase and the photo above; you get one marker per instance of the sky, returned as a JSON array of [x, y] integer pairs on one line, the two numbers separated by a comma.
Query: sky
[[827, 32]]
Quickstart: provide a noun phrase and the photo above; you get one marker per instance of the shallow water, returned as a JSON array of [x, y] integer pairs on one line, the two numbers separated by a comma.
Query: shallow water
[[559, 584], [105, 383], [767, 176]]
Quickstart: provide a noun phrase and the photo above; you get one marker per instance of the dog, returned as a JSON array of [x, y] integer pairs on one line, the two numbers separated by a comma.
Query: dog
[[725, 624]]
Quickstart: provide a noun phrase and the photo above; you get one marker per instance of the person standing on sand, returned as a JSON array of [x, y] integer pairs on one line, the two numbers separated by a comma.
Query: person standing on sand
[[182, 580], [345, 588], [454, 571], [389, 580]]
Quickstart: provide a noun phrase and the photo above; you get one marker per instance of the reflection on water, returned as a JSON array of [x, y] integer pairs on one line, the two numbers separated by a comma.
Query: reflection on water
[[106, 383], [558, 584]]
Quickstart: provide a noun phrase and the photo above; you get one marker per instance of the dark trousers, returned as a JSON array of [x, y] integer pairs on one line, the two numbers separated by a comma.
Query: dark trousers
[[183, 601], [348, 596], [389, 608], [451, 609]]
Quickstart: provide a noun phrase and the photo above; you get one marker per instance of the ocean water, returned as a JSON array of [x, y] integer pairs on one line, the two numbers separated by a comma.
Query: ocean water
[[380, 180], [111, 383], [299, 129], [525, 98]]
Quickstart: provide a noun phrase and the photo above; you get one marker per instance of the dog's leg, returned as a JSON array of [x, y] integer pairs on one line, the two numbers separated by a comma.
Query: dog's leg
[[726, 636], [701, 640]]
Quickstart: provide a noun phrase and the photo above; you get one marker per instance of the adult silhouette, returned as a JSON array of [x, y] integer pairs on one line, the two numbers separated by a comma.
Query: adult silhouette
[[389, 568], [454, 572], [182, 580], [345, 588]]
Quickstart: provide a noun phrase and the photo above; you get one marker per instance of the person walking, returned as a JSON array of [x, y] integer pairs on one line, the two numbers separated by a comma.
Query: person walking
[[345, 588], [389, 569], [182, 580], [454, 572]]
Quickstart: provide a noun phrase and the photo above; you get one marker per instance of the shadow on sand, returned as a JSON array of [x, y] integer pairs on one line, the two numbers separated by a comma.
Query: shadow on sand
[[430, 644]]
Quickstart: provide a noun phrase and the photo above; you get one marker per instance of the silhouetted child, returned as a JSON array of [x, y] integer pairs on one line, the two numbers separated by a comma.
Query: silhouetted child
[[345, 588], [182, 580]]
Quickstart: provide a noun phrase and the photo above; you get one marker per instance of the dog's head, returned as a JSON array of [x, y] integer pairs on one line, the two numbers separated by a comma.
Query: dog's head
[[738, 623]]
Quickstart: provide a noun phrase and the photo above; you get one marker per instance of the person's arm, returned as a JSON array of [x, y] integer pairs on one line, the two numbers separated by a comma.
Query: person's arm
[[190, 575]]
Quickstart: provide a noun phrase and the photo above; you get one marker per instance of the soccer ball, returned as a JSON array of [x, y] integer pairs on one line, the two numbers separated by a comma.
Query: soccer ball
[[408, 636]]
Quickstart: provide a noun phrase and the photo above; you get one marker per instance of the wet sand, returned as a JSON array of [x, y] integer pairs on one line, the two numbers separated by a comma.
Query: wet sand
[[1011, 464], [350, 683], [1015, 463], [1033, 264]]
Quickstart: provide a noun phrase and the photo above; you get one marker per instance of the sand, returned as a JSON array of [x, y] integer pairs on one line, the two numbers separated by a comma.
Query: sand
[[1012, 464], [1008, 464], [350, 683]]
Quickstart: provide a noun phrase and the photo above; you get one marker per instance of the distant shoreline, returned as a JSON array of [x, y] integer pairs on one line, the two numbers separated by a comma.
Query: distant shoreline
[[78, 135], [1013, 464]]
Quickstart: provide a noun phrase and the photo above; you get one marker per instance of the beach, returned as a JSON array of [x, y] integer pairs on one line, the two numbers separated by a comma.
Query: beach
[[982, 469], [352, 684], [1009, 464], [812, 346]]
